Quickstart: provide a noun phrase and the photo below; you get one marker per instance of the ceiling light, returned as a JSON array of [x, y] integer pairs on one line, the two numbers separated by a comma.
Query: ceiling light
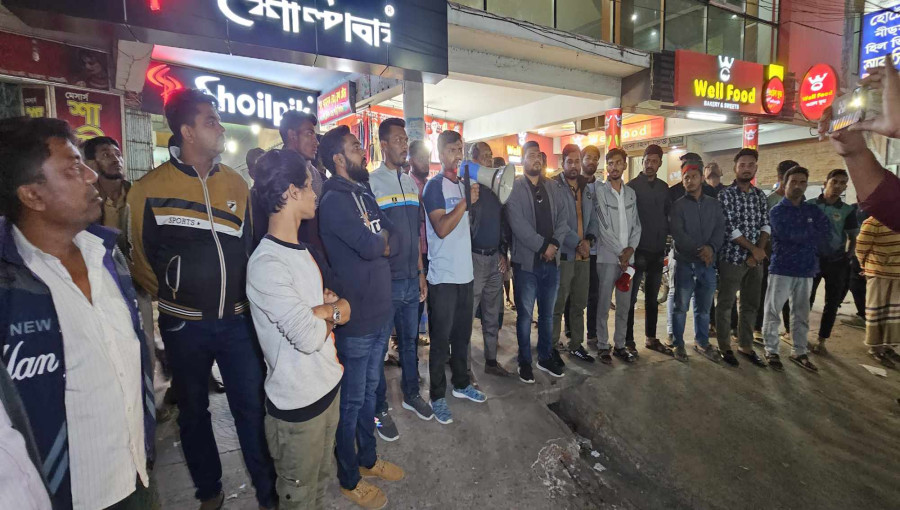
[[674, 147], [653, 33], [634, 17], [734, 16], [714, 117], [231, 146], [255, 129]]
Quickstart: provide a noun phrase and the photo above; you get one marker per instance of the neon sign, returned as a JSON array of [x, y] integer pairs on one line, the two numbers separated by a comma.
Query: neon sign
[[294, 16]]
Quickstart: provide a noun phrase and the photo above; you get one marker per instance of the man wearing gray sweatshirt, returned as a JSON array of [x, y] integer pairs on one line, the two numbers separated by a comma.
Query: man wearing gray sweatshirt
[[697, 224]]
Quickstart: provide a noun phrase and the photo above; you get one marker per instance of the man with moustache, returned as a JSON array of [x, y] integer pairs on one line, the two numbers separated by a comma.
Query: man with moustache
[[538, 222], [652, 193], [190, 234], [575, 252], [397, 196], [800, 231], [740, 260], [617, 205], [103, 154], [298, 133], [489, 262], [358, 240], [450, 277], [76, 381], [590, 160]]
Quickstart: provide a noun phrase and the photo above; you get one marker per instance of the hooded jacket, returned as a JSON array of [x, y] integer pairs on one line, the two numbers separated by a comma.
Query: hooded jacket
[[351, 226], [31, 345]]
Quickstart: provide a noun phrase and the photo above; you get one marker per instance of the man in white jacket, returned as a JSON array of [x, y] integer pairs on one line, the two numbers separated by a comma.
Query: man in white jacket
[[294, 314]]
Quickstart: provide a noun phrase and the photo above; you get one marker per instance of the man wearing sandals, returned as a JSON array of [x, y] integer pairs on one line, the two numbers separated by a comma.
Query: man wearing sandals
[[799, 232], [697, 225]]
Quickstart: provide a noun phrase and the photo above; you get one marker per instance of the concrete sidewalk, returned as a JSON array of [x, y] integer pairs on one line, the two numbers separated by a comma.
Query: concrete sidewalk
[[665, 435]]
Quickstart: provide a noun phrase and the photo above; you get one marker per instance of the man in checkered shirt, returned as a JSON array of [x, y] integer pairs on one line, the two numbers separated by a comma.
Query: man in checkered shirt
[[742, 257]]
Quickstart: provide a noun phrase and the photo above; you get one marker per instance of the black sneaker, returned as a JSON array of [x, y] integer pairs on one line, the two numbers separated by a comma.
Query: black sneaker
[[581, 354], [525, 374], [728, 357], [551, 367], [386, 427], [623, 354], [554, 355], [634, 352]]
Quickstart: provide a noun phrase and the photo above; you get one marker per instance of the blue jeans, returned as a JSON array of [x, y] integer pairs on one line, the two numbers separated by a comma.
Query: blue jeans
[[539, 285], [405, 295], [698, 281], [363, 360], [191, 348]]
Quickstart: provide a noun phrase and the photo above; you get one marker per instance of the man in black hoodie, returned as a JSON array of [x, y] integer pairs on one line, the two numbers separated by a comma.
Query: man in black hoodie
[[355, 233]]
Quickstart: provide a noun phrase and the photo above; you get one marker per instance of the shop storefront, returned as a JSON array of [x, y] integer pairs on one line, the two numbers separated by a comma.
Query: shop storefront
[[43, 78]]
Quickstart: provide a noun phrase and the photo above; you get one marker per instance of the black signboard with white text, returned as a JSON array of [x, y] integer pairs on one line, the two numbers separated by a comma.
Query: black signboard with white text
[[240, 101], [395, 38]]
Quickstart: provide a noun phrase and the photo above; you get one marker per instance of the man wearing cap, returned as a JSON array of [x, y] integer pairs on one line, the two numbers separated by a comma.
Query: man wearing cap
[[575, 251], [652, 194]]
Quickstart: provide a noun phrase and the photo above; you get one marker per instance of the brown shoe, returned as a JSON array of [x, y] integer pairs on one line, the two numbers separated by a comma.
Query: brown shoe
[[366, 495], [384, 470], [213, 503]]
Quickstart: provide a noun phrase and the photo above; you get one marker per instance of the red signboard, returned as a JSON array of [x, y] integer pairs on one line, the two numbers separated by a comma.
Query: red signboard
[[774, 100], [613, 128], [817, 91], [336, 104], [38, 59], [90, 113], [718, 82], [35, 101], [643, 130], [751, 133]]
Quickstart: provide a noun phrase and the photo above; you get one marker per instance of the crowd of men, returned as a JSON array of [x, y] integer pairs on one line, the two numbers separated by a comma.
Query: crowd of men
[[294, 287]]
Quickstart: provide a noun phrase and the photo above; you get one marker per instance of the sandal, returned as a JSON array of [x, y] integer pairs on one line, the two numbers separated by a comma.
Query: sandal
[[775, 362], [753, 358], [884, 358], [803, 361], [655, 345]]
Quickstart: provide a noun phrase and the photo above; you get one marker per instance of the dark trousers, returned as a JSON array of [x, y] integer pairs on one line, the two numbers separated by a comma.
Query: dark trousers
[[423, 303], [836, 273], [143, 498], [593, 298], [857, 287], [540, 285], [405, 297], [649, 265], [450, 327], [363, 361], [761, 312], [191, 348]]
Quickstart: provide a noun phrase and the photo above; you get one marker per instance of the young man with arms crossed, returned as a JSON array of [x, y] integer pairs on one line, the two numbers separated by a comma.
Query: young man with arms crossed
[[617, 206], [358, 240], [294, 315], [575, 252], [70, 334], [537, 219], [450, 277], [697, 225], [398, 198], [799, 231], [834, 262], [740, 261], [652, 194]]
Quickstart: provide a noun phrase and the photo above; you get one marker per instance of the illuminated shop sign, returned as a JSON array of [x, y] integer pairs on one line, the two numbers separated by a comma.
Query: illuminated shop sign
[[514, 153], [337, 103], [817, 91], [240, 101], [294, 17], [721, 82], [879, 37]]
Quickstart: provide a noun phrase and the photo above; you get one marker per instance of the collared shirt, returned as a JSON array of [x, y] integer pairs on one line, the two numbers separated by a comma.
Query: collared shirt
[[543, 215], [844, 225], [798, 234], [746, 214], [623, 216], [104, 406], [114, 208], [577, 192]]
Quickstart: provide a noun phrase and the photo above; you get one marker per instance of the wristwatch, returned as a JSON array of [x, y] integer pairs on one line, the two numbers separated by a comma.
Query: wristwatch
[[335, 313]]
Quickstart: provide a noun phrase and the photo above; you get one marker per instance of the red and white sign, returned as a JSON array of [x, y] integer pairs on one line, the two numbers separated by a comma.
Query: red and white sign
[[643, 130], [335, 104], [613, 128], [817, 91], [718, 82], [774, 99], [751, 133], [90, 113]]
